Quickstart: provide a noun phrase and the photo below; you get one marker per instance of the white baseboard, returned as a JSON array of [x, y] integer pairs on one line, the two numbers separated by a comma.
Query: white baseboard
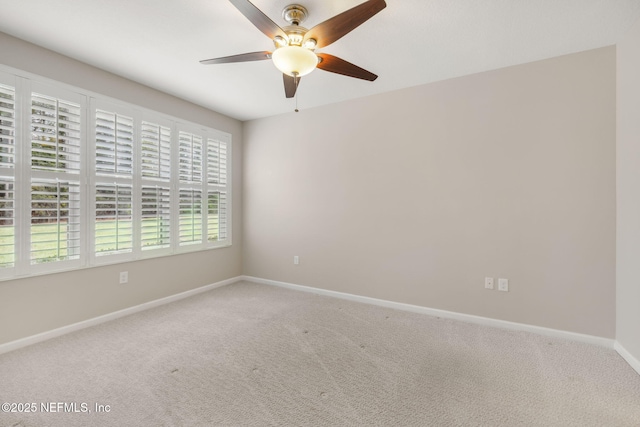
[[631, 360], [605, 342], [23, 342], [590, 339]]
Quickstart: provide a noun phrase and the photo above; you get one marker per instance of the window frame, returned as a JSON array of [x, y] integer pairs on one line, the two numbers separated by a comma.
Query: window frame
[[24, 85], [29, 175], [204, 186]]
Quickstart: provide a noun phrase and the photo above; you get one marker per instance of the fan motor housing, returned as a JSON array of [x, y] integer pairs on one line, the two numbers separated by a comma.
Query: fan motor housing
[[294, 14]]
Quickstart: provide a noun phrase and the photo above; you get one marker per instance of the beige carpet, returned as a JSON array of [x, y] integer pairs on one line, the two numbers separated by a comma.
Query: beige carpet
[[255, 355]]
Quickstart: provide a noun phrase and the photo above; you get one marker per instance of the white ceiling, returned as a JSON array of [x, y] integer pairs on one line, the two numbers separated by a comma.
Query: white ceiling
[[159, 43]]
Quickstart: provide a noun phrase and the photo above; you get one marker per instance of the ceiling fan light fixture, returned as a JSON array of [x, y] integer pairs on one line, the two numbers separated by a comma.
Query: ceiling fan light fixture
[[294, 61], [294, 53], [279, 41], [310, 43]]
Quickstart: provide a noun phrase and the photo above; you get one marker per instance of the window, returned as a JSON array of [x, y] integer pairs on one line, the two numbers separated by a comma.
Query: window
[[190, 170], [114, 142], [7, 177], [202, 187], [157, 222], [217, 194], [54, 193], [86, 181]]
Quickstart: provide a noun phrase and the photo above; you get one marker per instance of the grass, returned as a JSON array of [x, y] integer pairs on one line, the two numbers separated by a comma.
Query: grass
[[52, 241]]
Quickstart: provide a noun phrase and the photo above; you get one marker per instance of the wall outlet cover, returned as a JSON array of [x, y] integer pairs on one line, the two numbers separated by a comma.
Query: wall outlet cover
[[488, 282]]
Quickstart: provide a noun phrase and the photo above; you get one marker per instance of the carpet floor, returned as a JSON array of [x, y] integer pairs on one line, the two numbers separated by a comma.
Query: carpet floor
[[256, 355]]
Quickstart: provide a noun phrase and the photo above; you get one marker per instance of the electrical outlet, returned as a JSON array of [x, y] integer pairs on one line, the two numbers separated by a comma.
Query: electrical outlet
[[488, 282], [503, 285], [296, 260], [124, 277]]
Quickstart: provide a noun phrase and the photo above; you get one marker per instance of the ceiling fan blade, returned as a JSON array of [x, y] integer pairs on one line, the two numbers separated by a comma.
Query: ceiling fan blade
[[340, 66], [334, 28], [259, 19], [243, 57], [290, 85]]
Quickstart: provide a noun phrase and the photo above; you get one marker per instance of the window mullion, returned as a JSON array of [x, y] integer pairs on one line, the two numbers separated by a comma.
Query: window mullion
[[90, 200], [175, 188], [116, 159], [25, 182], [204, 181], [58, 217], [22, 174], [136, 183], [57, 112]]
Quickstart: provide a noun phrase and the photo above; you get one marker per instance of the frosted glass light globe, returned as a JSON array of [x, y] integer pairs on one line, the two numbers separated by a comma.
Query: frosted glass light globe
[[294, 60]]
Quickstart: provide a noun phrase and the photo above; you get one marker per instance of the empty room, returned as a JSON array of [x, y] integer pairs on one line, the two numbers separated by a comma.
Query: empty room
[[354, 213]]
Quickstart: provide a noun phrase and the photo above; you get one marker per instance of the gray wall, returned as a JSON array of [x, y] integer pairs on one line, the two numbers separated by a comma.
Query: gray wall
[[628, 189], [33, 305], [412, 196], [416, 195]]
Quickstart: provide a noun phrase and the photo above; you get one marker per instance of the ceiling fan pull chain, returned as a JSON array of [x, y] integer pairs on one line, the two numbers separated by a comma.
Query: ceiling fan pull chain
[[296, 79]]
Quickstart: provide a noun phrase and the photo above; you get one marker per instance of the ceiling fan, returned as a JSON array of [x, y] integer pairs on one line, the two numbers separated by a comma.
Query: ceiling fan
[[295, 46]]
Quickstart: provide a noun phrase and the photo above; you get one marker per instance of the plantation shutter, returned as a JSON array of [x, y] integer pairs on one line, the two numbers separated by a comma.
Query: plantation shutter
[[7, 127], [55, 221], [190, 171], [113, 204], [190, 223], [190, 158], [7, 223], [156, 224], [216, 162], [114, 215], [217, 216], [156, 218], [7, 177], [156, 151], [131, 185], [217, 192], [55, 135], [114, 143], [55, 202]]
